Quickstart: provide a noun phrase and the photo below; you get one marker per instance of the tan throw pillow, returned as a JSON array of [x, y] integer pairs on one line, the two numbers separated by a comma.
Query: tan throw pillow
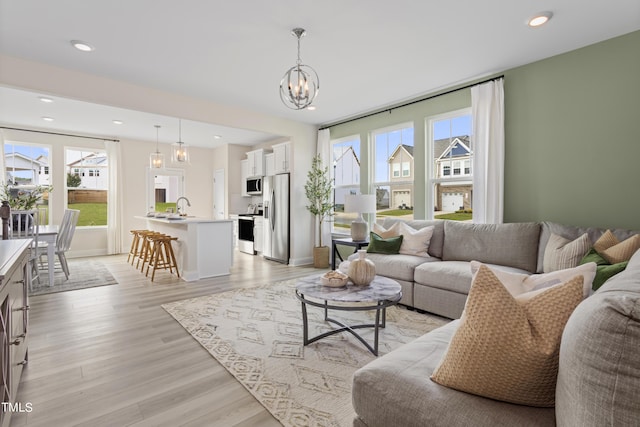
[[623, 251], [415, 242], [529, 285], [562, 253], [385, 233], [605, 241], [505, 349]]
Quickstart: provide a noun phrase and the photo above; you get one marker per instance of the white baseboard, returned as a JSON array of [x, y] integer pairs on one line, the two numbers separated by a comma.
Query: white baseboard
[[297, 262], [86, 253]]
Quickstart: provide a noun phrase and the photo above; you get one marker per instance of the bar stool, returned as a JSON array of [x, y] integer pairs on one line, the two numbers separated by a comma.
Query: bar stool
[[146, 248], [162, 256], [134, 252]]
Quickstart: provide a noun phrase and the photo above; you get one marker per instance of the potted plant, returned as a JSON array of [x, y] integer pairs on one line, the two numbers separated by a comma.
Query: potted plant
[[318, 190], [23, 198]]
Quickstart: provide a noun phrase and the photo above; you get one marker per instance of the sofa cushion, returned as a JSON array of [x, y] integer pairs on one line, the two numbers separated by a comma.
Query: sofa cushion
[[396, 266], [415, 242], [388, 246], [571, 233], [599, 374], [395, 390], [507, 349], [437, 240], [385, 233], [622, 251], [562, 253], [518, 283], [605, 241], [604, 270], [512, 245]]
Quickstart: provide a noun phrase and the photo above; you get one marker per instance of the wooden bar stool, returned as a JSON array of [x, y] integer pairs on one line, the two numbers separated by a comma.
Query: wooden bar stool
[[136, 245], [162, 257], [147, 248]]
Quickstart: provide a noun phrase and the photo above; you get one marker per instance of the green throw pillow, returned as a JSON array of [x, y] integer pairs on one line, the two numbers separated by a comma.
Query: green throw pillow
[[604, 271], [378, 245]]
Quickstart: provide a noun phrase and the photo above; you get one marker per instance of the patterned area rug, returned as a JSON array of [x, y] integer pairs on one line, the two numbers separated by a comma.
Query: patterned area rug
[[256, 334], [83, 273]]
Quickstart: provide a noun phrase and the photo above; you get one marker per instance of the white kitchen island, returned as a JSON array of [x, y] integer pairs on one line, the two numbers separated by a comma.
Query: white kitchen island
[[204, 247]]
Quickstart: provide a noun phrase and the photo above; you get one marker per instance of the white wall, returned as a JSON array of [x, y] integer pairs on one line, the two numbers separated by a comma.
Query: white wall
[[57, 81]]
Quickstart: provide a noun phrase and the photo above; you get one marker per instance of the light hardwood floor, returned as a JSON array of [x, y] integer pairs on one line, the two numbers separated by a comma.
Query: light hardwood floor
[[111, 356]]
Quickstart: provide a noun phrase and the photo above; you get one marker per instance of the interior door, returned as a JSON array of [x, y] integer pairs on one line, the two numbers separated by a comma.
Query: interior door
[[218, 194]]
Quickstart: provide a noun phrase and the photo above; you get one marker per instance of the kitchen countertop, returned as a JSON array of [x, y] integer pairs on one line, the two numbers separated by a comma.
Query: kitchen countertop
[[183, 220]]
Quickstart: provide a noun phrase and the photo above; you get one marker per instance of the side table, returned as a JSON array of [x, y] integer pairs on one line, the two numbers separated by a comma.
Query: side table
[[345, 242]]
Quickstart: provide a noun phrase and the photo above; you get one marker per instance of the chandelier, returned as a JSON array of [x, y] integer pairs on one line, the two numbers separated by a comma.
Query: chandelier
[[179, 150], [156, 159], [300, 84]]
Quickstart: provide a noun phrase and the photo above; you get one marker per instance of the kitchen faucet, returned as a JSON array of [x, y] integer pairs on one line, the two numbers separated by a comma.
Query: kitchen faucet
[[178, 201]]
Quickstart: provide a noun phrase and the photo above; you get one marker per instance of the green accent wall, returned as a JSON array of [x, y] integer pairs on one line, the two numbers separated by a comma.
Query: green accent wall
[[572, 136]]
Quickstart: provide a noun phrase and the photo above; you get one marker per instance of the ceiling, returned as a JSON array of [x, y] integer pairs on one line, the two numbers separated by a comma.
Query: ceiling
[[368, 54]]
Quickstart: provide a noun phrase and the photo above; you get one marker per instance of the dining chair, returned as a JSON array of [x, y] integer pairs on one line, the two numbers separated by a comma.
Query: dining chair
[[65, 235], [24, 225]]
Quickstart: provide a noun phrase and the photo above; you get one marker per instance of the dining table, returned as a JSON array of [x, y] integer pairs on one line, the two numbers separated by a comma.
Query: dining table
[[49, 234]]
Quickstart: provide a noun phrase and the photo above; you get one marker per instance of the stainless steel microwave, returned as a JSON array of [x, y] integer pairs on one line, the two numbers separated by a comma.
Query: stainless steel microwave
[[254, 186]]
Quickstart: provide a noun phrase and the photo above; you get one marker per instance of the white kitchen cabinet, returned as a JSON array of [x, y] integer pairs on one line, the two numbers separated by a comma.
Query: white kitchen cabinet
[[258, 230], [234, 218], [282, 157], [244, 173], [256, 163], [269, 165]]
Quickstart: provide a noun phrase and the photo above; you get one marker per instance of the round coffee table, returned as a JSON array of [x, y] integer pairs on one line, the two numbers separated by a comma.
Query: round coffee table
[[381, 293]]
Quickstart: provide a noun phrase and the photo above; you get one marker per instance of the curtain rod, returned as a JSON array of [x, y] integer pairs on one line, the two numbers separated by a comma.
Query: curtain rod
[[412, 102], [60, 134]]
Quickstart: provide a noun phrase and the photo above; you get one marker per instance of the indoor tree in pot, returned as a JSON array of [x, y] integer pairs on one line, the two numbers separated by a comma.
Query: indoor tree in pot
[[318, 190]]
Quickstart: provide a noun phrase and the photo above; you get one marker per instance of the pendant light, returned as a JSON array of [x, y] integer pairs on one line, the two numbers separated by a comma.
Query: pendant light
[[179, 150], [300, 84], [156, 160]]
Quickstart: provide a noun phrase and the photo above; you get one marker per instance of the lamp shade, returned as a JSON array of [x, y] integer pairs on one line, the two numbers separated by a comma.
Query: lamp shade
[[360, 203]]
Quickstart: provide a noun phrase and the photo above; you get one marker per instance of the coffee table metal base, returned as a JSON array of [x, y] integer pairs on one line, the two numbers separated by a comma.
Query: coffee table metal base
[[381, 314]]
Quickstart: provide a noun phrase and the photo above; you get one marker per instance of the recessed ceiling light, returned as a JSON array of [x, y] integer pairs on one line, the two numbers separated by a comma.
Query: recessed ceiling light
[[311, 107], [216, 137], [118, 122], [539, 19], [80, 45], [47, 119], [45, 99]]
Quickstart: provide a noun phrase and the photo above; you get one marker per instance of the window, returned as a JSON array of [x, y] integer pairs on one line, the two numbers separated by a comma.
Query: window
[[406, 169], [346, 176], [450, 181], [89, 193], [24, 167], [393, 150]]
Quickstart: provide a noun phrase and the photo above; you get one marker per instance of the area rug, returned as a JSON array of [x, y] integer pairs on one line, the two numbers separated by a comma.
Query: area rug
[[256, 334], [83, 273]]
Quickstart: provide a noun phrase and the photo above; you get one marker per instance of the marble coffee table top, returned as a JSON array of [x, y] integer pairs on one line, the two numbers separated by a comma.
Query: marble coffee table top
[[381, 288]]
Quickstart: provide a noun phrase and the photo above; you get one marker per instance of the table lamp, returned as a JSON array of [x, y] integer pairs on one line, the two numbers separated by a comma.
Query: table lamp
[[359, 203]]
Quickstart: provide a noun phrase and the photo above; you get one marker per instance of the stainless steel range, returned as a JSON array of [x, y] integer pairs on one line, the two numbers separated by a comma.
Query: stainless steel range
[[246, 239]]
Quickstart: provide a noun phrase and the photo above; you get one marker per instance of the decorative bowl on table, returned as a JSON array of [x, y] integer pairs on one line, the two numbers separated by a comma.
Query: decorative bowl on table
[[334, 279]]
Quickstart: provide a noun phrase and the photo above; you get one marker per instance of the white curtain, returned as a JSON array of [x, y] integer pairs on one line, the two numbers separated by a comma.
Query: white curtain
[[324, 150], [3, 176], [487, 109], [114, 202]]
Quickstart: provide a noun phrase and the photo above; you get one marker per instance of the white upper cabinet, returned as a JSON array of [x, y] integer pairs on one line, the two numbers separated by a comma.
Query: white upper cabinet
[[256, 163], [244, 173], [282, 157], [269, 165]]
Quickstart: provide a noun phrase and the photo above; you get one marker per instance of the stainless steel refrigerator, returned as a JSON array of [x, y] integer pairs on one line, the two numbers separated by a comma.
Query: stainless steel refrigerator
[[275, 193]]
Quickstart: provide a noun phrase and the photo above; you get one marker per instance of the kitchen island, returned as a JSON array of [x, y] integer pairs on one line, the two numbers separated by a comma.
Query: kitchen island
[[204, 247]]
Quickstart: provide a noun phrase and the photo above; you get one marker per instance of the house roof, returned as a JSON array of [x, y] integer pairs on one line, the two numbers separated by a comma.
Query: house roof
[[92, 160], [349, 150], [407, 148], [459, 147]]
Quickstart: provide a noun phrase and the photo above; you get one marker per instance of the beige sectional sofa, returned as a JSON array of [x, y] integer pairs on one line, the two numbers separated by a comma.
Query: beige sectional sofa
[[440, 283], [599, 365]]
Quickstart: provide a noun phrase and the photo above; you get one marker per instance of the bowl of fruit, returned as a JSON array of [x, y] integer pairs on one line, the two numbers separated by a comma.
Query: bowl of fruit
[[334, 279]]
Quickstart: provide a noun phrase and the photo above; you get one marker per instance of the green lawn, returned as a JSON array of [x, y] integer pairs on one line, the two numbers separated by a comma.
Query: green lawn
[[455, 216], [162, 207], [91, 213], [396, 212]]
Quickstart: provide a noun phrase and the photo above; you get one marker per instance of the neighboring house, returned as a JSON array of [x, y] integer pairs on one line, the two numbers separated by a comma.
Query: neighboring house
[[401, 177], [92, 169], [23, 170], [453, 160], [346, 173]]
